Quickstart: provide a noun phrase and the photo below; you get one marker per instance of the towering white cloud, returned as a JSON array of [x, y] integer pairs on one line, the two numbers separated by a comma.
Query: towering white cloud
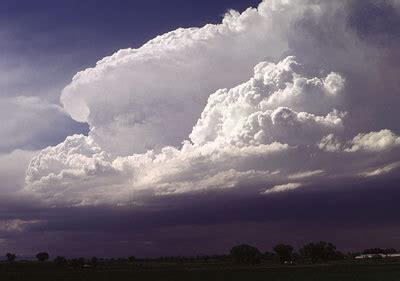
[[169, 117], [140, 99], [273, 106]]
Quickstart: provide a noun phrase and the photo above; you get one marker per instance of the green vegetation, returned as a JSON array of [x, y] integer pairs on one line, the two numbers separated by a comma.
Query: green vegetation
[[11, 257], [42, 257], [320, 252], [245, 254], [201, 272], [284, 252]]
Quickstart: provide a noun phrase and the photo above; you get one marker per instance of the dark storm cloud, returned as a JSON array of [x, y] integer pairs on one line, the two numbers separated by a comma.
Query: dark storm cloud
[[375, 21], [212, 222], [348, 205]]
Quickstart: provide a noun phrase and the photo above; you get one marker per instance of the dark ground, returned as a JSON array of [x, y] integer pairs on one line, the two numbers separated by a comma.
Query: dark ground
[[30, 271]]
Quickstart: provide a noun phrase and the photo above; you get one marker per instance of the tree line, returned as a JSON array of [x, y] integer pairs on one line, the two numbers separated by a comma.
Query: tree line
[[319, 252], [315, 252]]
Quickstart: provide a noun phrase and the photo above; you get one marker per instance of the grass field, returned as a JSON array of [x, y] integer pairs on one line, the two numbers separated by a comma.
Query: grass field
[[343, 272]]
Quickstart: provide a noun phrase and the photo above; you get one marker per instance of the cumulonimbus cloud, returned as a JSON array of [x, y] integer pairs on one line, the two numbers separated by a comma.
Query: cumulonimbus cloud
[[176, 116], [148, 98]]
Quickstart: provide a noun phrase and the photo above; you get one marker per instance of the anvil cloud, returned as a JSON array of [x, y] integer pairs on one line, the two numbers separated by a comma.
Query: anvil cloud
[[282, 96]]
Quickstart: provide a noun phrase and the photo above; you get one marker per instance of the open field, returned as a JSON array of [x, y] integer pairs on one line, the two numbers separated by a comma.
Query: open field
[[202, 272]]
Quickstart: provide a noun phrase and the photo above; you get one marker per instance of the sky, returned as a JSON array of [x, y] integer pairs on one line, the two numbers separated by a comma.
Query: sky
[[154, 128]]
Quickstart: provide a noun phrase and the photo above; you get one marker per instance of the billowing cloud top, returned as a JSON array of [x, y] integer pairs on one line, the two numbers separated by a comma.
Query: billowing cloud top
[[178, 116]]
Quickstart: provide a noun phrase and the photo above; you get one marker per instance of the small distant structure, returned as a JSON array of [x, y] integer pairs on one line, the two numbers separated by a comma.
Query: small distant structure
[[373, 256]]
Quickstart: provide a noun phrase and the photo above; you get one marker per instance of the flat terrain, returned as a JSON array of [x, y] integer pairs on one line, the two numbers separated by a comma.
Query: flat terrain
[[161, 272]]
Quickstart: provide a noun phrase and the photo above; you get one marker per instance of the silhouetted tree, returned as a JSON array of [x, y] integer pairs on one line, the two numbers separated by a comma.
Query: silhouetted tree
[[321, 251], [373, 251], [77, 263], [11, 257], [390, 251], [43, 256], [352, 255], [268, 256], [284, 252], [131, 259], [121, 261], [245, 254], [94, 261], [60, 261]]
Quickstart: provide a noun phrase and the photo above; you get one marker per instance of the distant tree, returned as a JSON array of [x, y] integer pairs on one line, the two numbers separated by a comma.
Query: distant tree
[[285, 252], [268, 256], [121, 261], [321, 251], [295, 256], [352, 255], [94, 261], [60, 261], [373, 251], [77, 263], [43, 256], [390, 251], [377, 257], [339, 256], [245, 254], [131, 259], [11, 257]]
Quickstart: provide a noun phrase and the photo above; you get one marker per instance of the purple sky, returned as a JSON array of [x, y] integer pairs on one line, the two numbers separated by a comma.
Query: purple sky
[[199, 127]]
